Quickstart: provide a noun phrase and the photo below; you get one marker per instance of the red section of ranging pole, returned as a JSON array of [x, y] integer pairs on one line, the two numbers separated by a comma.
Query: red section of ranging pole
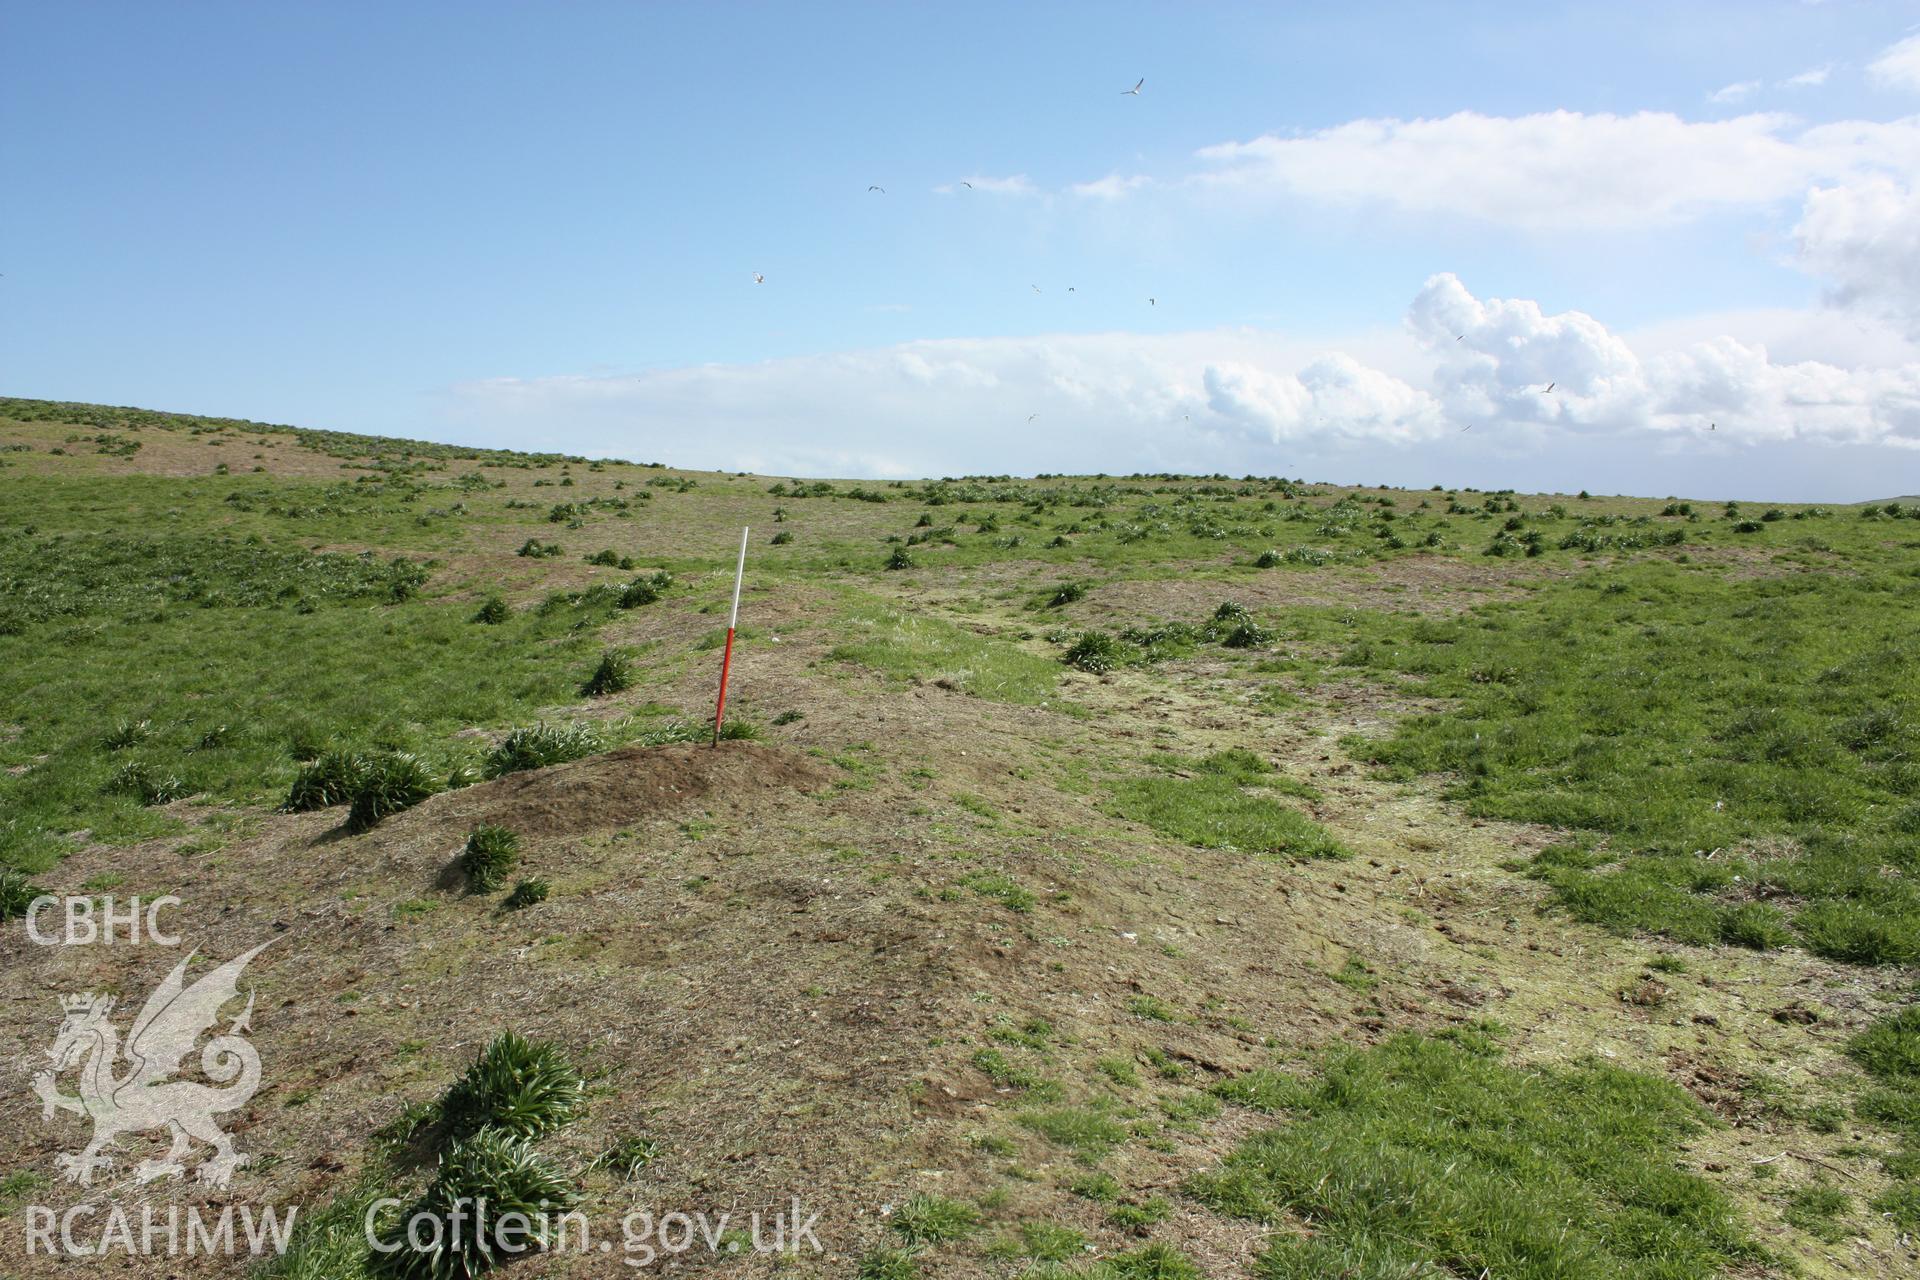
[[733, 620]]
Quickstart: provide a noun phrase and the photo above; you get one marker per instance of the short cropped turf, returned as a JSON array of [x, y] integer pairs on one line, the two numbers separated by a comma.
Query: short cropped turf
[[1225, 801], [1432, 1156], [1742, 753], [906, 646]]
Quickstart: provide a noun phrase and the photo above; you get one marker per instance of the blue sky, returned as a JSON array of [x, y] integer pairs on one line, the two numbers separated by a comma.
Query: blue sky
[[537, 226]]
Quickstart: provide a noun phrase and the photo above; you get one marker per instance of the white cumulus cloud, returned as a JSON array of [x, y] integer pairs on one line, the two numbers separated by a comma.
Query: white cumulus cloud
[[1865, 239]]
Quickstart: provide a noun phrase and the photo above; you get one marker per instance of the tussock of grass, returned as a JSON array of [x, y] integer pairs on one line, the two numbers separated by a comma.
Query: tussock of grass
[[479, 1181], [613, 675], [903, 646], [330, 780], [16, 893], [539, 745], [525, 1087], [1889, 1051], [530, 892], [491, 854], [391, 781], [931, 1219], [1425, 1153]]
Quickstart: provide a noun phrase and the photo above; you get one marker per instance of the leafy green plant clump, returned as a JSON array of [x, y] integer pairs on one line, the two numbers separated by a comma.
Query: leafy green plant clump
[[330, 780], [530, 892], [613, 675], [525, 1087], [479, 1181], [539, 745], [490, 855], [392, 781]]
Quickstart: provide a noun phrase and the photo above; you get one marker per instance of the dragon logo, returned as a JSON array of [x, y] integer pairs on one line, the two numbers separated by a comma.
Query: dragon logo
[[173, 1019]]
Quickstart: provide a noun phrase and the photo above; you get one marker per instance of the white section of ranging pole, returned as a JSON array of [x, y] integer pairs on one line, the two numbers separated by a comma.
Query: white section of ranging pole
[[739, 572]]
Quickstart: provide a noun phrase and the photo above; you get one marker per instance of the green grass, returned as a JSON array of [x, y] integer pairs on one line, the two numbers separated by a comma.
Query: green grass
[[1427, 1152], [1889, 1052], [905, 647], [931, 1219], [525, 1087], [1226, 804], [1774, 721], [286, 686]]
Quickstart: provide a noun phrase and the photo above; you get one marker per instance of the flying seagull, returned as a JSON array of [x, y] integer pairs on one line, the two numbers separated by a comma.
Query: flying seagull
[[1035, 288], [966, 184], [881, 190], [1711, 426], [1461, 338], [1547, 390], [1069, 288], [758, 278], [1135, 91], [1150, 302], [1032, 416]]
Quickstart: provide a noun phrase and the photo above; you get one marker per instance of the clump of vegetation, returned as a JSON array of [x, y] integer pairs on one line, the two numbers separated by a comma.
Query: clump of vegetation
[[1098, 652], [627, 1156], [900, 559], [16, 893], [479, 1181], [1067, 593], [491, 853], [1421, 1150], [535, 549], [128, 733], [329, 780], [492, 612], [538, 745], [148, 783], [645, 591], [614, 674], [781, 538], [392, 781], [931, 1219], [530, 892], [520, 1086]]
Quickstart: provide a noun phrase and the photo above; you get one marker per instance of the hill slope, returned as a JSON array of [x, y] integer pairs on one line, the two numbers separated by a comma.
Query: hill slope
[[1119, 877]]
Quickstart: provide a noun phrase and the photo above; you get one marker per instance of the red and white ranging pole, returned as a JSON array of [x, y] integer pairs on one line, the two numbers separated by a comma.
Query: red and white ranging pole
[[733, 620]]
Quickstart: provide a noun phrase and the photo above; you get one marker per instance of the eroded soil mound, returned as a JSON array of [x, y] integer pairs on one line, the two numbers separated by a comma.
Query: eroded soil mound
[[636, 782]]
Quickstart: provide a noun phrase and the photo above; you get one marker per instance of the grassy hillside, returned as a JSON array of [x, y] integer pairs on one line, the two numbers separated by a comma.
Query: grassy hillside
[[1109, 876]]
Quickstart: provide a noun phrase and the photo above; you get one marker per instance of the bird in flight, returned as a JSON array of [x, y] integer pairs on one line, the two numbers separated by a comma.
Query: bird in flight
[[1468, 427], [1069, 288], [1548, 389], [1150, 302], [966, 184], [1711, 426], [758, 278], [1461, 338], [881, 190], [1035, 288], [1135, 91], [1032, 416]]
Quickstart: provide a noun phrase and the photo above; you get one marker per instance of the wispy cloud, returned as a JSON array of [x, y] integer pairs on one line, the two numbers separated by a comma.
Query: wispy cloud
[[1112, 187], [1898, 66], [1737, 92], [1811, 78], [1564, 170]]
